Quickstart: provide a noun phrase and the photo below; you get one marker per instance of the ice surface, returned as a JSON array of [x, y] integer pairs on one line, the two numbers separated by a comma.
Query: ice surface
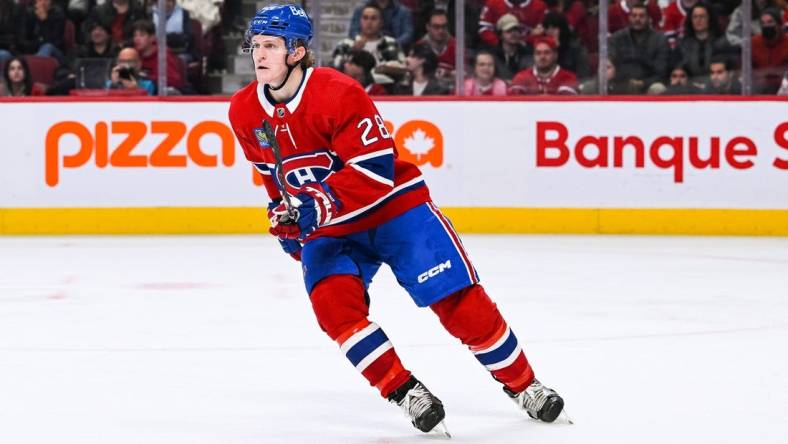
[[175, 340]]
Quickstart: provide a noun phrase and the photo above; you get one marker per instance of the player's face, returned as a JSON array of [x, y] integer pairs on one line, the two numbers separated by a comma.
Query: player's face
[[485, 67], [15, 72], [544, 56], [268, 55]]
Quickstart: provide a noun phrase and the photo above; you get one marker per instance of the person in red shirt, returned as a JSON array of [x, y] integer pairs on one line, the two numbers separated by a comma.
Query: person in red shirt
[[145, 44], [528, 12], [546, 77], [344, 203], [673, 20], [618, 14], [769, 52]]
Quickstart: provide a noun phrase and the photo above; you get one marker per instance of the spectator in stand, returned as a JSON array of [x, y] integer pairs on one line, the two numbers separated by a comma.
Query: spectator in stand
[[484, 82], [736, 23], [571, 54], [615, 86], [422, 63], [420, 10], [144, 33], [44, 25], [546, 77], [639, 53], [442, 44], [127, 73], [577, 15], [121, 16], [18, 81], [390, 67], [177, 27], [98, 44], [396, 21], [618, 14], [673, 19], [702, 40], [359, 66], [11, 27], [770, 52], [679, 84], [528, 12], [721, 77], [511, 54]]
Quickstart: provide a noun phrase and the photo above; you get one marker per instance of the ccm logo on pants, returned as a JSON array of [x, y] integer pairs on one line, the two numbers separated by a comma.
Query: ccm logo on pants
[[434, 271]]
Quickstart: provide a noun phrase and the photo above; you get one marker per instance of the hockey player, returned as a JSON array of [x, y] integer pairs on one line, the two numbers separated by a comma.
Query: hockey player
[[356, 206]]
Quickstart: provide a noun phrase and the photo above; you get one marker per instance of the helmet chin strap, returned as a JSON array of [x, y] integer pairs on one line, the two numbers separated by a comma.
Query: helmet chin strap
[[290, 69]]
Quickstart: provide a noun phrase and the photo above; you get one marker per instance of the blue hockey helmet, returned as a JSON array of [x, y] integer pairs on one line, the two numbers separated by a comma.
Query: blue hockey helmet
[[287, 21]]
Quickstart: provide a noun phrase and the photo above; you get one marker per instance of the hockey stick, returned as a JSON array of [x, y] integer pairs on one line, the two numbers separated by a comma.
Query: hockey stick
[[292, 213]]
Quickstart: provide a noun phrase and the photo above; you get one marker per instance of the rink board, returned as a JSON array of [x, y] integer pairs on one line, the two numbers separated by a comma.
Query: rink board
[[717, 166]]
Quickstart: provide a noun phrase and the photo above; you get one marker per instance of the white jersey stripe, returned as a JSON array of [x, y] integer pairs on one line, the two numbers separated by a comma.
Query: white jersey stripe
[[363, 157], [396, 189]]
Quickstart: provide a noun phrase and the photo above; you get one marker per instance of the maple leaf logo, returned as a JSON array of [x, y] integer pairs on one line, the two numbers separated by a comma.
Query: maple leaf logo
[[419, 144]]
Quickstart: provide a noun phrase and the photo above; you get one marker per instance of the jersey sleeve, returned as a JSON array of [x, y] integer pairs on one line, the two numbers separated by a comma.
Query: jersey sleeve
[[367, 150], [248, 146], [487, 21]]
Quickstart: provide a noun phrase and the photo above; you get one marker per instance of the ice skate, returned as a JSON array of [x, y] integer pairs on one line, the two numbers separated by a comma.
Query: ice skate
[[538, 401], [421, 406]]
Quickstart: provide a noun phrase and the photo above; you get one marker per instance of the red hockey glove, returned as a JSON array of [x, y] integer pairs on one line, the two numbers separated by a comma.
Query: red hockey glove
[[314, 207]]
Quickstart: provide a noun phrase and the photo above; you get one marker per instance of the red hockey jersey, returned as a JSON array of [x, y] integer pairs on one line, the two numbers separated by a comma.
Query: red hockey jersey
[[559, 82], [673, 21], [530, 13], [329, 132]]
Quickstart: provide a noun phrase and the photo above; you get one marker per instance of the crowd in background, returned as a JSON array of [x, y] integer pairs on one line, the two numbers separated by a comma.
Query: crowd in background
[[406, 47], [540, 47], [70, 41]]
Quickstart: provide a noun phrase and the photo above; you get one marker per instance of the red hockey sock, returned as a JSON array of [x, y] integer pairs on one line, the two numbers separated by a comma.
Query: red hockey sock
[[473, 318], [338, 302]]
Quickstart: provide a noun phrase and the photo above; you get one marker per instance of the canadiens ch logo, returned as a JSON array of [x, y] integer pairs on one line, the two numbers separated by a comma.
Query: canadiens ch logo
[[304, 169], [262, 138]]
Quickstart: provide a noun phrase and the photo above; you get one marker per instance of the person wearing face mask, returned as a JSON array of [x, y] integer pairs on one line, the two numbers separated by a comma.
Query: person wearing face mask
[[769, 52]]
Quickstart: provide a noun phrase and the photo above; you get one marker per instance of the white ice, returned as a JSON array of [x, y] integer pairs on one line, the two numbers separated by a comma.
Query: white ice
[[175, 340]]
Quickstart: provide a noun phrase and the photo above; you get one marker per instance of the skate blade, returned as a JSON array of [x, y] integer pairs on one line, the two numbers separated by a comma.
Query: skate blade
[[440, 431], [565, 417]]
